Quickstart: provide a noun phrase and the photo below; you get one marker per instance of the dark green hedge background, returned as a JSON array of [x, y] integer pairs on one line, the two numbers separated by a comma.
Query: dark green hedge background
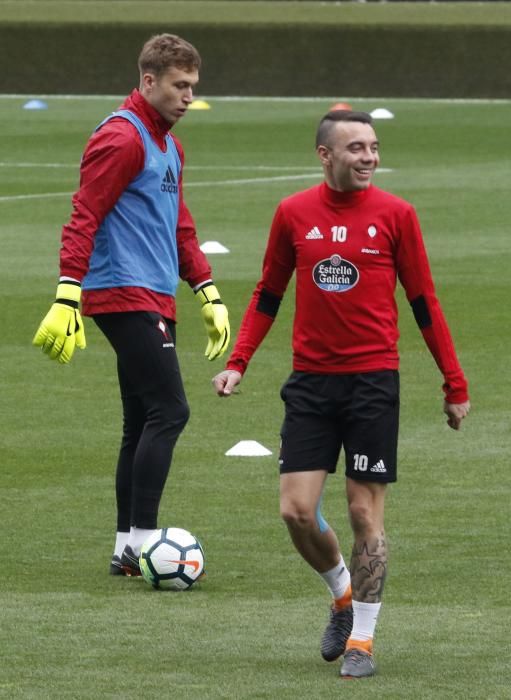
[[292, 60]]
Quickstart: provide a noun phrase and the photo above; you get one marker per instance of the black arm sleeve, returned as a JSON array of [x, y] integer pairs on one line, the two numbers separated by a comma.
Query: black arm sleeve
[[421, 312], [268, 303]]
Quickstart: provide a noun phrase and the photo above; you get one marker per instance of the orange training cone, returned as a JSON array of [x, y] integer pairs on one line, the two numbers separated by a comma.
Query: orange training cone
[[340, 105]]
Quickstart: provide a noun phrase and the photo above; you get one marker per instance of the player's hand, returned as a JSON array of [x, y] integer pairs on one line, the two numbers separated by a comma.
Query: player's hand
[[62, 329], [456, 412], [216, 320], [225, 382]]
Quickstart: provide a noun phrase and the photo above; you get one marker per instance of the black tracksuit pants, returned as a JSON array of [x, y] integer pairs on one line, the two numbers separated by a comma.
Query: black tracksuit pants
[[155, 411]]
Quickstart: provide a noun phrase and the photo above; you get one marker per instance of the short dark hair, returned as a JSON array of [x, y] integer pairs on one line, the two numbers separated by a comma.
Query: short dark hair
[[164, 51], [338, 115]]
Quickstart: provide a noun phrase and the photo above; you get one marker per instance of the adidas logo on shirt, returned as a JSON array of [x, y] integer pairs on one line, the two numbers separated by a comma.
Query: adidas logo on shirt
[[314, 234], [379, 467], [168, 184]]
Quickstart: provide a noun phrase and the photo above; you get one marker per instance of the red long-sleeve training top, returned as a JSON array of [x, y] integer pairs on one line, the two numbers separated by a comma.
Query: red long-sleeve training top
[[348, 250]]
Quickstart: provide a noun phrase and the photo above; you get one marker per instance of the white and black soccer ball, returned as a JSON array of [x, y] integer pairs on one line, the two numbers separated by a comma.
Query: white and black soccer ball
[[172, 559]]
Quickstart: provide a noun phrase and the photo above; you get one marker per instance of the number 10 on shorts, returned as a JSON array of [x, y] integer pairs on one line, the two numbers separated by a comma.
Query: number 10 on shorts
[[361, 462]]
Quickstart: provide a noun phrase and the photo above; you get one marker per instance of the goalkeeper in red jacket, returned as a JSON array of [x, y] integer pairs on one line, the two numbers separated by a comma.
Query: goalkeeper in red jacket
[[129, 241], [348, 242]]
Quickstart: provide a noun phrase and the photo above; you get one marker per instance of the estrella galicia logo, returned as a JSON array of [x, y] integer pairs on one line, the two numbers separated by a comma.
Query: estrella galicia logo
[[335, 274], [168, 184]]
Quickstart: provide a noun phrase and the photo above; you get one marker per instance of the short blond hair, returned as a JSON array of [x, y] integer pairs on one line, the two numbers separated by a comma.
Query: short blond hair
[[164, 51]]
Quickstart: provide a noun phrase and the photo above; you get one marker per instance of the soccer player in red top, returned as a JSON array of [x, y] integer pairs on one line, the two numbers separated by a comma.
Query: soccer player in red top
[[348, 242], [129, 240]]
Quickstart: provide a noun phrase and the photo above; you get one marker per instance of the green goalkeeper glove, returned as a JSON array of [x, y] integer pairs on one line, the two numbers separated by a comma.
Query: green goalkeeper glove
[[216, 320], [62, 328]]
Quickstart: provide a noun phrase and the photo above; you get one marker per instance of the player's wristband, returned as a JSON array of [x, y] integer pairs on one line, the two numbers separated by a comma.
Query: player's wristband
[[208, 293], [69, 293]]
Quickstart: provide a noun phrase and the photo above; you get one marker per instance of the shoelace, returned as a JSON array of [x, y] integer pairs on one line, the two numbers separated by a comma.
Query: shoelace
[[356, 656], [338, 617]]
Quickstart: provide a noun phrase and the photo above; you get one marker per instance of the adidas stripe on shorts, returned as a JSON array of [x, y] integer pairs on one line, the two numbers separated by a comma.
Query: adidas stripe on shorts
[[358, 413]]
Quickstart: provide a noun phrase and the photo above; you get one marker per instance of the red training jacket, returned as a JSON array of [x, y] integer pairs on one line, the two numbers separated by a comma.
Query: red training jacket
[[348, 248]]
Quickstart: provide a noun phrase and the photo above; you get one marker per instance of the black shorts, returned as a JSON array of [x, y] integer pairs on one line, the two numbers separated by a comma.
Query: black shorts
[[326, 412]]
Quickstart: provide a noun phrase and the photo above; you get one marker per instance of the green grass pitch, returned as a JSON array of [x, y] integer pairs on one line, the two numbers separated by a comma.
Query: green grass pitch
[[251, 629], [255, 12]]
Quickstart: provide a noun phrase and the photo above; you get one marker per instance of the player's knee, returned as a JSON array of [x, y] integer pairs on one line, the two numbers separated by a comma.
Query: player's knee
[[362, 516], [180, 416], [170, 418], [297, 516]]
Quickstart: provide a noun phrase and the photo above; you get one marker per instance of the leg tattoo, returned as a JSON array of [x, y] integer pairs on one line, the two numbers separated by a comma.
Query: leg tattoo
[[369, 568]]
